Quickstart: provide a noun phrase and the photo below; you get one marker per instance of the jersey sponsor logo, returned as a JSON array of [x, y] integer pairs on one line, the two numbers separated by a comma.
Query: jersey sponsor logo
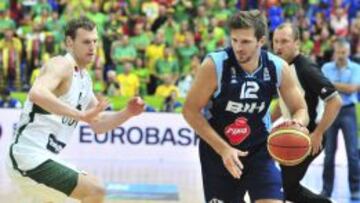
[[238, 131], [54, 145], [245, 107]]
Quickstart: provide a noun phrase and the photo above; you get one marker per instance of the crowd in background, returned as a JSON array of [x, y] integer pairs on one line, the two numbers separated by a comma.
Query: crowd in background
[[153, 47]]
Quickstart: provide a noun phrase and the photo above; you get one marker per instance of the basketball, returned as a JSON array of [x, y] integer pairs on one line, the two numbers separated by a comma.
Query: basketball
[[289, 143]]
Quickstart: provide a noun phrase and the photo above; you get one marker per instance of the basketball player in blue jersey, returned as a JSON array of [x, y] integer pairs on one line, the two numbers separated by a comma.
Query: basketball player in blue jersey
[[228, 106], [61, 96]]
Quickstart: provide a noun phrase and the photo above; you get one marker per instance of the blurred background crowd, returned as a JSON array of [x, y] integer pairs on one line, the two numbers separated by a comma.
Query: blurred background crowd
[[152, 48]]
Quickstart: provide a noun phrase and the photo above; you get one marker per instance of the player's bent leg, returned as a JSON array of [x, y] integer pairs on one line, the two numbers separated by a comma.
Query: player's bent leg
[[265, 185], [89, 189], [51, 181]]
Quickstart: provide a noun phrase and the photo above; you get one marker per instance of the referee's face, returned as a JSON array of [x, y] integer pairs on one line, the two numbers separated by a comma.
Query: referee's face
[[284, 44]]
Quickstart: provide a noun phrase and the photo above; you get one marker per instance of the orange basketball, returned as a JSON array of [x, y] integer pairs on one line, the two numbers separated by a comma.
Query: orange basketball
[[289, 144]]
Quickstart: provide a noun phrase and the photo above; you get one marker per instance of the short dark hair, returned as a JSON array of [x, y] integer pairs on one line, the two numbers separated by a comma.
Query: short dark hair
[[76, 23], [250, 19], [294, 29]]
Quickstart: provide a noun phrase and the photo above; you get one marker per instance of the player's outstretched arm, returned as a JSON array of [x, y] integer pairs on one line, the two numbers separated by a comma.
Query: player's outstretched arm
[[292, 97], [108, 120], [204, 85]]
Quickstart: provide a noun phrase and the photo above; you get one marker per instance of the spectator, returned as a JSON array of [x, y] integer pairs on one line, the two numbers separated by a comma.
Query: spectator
[[98, 84], [339, 22], [5, 22], [6, 101], [186, 80], [345, 75], [34, 42], [122, 52], [186, 52], [154, 52], [143, 74], [307, 45], [128, 81], [167, 66], [112, 84], [167, 88], [10, 50], [171, 104]]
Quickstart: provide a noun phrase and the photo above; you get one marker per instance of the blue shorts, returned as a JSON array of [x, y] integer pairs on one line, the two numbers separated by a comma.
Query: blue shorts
[[260, 178]]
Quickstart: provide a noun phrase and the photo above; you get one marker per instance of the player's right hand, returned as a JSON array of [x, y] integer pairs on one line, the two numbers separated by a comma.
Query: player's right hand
[[232, 163], [92, 114]]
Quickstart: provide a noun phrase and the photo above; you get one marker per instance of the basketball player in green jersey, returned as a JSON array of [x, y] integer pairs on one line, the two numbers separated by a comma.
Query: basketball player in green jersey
[[62, 96]]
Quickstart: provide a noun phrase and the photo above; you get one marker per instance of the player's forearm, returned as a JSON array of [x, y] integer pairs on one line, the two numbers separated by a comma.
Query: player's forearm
[[301, 116], [49, 102], [331, 110], [204, 130], [109, 120], [276, 113]]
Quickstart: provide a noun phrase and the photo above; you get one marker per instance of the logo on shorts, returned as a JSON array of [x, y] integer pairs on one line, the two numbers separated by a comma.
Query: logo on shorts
[[214, 200], [238, 131], [323, 90], [54, 145]]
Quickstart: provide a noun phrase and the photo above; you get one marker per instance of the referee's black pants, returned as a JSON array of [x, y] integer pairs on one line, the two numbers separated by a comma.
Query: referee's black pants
[[293, 190]]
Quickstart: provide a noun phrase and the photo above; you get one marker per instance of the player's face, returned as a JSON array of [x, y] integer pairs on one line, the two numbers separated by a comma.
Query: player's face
[[84, 45], [284, 44], [245, 45]]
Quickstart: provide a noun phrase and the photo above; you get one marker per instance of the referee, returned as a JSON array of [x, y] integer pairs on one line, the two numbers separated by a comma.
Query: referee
[[286, 44]]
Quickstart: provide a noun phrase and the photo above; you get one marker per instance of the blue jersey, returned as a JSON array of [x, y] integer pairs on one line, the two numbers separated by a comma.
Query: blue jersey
[[239, 108]]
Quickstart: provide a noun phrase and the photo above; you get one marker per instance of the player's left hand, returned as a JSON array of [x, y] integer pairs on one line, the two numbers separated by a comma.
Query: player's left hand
[[316, 142], [292, 124], [135, 106]]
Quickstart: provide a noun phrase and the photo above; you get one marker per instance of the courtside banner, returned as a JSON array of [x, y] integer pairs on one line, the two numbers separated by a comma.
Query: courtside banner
[[159, 136]]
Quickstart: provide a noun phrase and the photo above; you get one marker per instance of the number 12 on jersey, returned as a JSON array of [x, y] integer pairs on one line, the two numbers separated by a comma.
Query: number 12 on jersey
[[249, 90]]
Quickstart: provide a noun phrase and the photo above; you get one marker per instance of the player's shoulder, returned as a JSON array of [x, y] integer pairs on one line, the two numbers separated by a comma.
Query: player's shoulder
[[276, 60], [220, 54], [273, 57], [58, 65], [60, 62]]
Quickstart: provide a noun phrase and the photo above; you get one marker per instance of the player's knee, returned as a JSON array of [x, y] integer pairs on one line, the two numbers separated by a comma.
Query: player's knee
[[97, 190], [90, 189]]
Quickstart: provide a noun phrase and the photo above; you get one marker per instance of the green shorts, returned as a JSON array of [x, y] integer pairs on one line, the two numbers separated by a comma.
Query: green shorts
[[50, 181]]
